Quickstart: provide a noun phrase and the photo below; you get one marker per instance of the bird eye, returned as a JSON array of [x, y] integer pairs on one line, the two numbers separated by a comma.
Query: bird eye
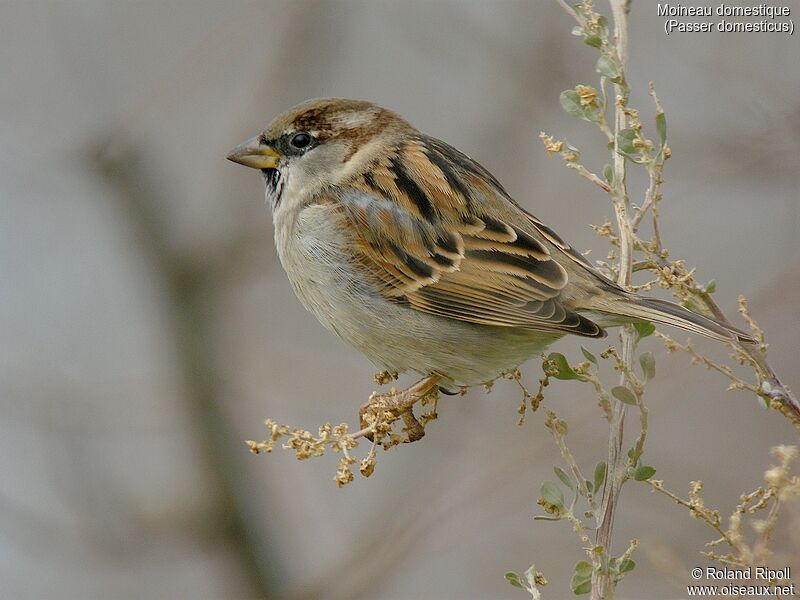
[[300, 140]]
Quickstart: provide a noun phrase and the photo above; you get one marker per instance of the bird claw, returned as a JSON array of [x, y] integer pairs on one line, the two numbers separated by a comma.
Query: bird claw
[[400, 405], [413, 428]]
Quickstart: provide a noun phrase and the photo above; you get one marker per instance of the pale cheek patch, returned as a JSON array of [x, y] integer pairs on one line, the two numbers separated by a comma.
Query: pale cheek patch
[[360, 160], [314, 171]]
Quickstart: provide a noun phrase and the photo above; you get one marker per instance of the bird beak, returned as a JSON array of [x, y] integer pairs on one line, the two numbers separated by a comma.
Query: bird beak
[[254, 153]]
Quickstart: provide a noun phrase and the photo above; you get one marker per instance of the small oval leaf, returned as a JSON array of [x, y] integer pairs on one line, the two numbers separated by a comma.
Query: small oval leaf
[[565, 479], [589, 356], [608, 173], [514, 579], [593, 40], [551, 494], [623, 394], [648, 363], [571, 103], [583, 568], [599, 475], [562, 368], [625, 141], [644, 473], [627, 565], [644, 329], [605, 66], [661, 127], [580, 585]]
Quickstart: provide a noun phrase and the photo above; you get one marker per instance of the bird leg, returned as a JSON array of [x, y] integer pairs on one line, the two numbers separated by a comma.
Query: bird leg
[[399, 405]]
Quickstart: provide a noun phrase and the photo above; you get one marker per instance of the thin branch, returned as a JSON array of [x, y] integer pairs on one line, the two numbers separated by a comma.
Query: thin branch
[[584, 172], [653, 194], [753, 353], [570, 11], [602, 586]]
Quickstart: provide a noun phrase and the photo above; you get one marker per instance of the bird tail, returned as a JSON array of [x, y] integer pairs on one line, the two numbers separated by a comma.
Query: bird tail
[[668, 313]]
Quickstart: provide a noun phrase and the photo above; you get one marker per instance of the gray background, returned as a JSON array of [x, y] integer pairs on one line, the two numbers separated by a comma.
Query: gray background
[[146, 327]]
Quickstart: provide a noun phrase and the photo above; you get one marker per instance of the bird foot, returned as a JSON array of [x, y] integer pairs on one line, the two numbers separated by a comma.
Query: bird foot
[[385, 409]]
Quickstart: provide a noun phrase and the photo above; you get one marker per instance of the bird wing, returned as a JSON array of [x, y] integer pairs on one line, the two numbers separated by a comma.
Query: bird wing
[[428, 233]]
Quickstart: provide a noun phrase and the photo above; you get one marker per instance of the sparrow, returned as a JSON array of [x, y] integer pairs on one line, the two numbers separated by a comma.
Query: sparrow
[[416, 255]]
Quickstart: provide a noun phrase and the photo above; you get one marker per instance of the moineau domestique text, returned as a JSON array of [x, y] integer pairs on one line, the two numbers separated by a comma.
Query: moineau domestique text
[[723, 10], [747, 573]]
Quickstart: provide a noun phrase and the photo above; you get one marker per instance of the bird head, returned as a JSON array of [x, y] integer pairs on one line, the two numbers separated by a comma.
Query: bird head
[[317, 144]]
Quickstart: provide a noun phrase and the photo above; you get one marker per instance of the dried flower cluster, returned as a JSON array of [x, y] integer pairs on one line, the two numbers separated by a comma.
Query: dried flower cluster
[[780, 487], [378, 419]]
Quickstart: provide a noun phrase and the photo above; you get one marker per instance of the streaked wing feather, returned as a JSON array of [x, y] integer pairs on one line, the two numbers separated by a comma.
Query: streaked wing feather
[[428, 234]]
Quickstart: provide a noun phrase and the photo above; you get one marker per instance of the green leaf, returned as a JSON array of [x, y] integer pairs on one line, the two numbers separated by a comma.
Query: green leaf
[[623, 394], [661, 127], [514, 579], [580, 585], [593, 40], [644, 473], [690, 305], [627, 565], [710, 287], [608, 173], [582, 578], [571, 103], [562, 368], [644, 328], [605, 66], [564, 478], [625, 141], [551, 494], [648, 363], [589, 356], [583, 568], [589, 486], [599, 475]]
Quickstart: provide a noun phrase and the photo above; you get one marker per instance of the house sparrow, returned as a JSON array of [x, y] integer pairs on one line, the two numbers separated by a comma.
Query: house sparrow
[[417, 256]]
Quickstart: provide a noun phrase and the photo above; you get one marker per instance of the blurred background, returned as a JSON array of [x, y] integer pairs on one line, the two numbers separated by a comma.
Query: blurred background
[[147, 328]]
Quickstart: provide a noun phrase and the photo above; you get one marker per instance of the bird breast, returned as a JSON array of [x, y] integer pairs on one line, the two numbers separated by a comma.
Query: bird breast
[[312, 244]]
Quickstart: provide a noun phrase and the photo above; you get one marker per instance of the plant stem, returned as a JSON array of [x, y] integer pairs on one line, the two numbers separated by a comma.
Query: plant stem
[[602, 585]]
